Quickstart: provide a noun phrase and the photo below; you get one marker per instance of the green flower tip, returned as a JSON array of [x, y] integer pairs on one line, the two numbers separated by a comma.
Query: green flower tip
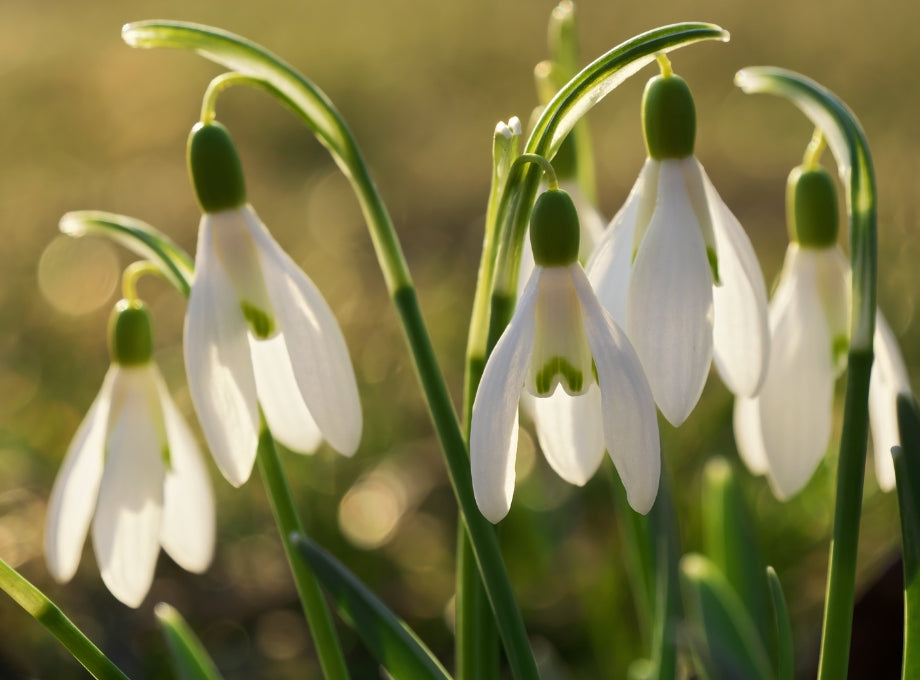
[[812, 214], [215, 169], [130, 334], [554, 230], [668, 118]]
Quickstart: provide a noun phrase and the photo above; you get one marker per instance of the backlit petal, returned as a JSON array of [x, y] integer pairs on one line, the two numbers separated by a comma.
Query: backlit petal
[[669, 308], [73, 498], [630, 421], [746, 423], [889, 379], [126, 526], [571, 433], [494, 427], [218, 365]]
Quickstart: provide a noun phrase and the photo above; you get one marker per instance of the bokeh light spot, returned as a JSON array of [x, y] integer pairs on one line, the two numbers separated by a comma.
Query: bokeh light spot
[[78, 275]]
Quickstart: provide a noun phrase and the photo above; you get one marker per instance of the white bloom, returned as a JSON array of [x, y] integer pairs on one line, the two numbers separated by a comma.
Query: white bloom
[[134, 469], [653, 271], [560, 341], [258, 332]]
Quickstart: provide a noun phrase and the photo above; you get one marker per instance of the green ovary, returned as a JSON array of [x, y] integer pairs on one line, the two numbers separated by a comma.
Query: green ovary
[[261, 323]]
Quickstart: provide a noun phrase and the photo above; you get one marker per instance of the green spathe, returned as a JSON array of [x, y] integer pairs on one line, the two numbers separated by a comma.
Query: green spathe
[[130, 334], [811, 207], [215, 169], [554, 232], [668, 118]]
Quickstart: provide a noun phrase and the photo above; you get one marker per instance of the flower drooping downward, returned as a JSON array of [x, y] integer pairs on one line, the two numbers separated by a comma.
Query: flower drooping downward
[[257, 331], [676, 268], [135, 470], [561, 340]]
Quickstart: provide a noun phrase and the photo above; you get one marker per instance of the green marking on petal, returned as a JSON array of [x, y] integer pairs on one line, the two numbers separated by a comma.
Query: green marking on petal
[[713, 265], [261, 323], [165, 455], [558, 365], [839, 348]]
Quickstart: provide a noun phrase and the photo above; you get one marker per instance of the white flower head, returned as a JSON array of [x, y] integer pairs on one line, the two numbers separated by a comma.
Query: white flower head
[[561, 343], [678, 271], [257, 331], [134, 470]]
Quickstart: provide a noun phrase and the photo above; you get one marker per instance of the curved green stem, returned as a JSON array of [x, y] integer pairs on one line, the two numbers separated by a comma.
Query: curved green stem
[[854, 163], [51, 617]]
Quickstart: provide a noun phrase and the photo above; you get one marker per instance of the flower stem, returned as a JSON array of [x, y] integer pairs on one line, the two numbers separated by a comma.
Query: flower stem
[[51, 617], [311, 596], [132, 273]]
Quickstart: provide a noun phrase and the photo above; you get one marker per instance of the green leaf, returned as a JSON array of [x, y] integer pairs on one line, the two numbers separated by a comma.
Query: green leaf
[[188, 656], [724, 638], [137, 236], [907, 474], [783, 659], [387, 636], [730, 542]]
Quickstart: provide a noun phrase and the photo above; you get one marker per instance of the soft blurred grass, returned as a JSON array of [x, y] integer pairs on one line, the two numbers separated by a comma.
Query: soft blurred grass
[[90, 123]]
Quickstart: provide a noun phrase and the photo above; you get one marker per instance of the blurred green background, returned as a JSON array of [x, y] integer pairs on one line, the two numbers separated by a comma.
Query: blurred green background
[[87, 123]]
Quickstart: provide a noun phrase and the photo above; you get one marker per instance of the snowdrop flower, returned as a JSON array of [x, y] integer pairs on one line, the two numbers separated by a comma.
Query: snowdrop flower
[[257, 331], [676, 268], [134, 469], [561, 340], [784, 431]]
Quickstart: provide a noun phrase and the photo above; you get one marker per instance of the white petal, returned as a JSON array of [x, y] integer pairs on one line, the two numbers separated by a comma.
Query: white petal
[[746, 423], [187, 531], [741, 333], [609, 267], [796, 400], [287, 416], [627, 406], [319, 357], [889, 379], [126, 526], [669, 309], [571, 433], [218, 365], [76, 487], [590, 221], [494, 426]]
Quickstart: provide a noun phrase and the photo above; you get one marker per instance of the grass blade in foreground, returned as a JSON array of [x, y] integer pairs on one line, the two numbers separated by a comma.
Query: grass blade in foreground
[[854, 164], [907, 473], [189, 658], [388, 638], [783, 660]]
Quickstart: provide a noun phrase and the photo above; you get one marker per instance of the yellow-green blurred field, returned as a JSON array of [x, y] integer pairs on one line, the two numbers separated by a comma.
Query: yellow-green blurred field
[[88, 123]]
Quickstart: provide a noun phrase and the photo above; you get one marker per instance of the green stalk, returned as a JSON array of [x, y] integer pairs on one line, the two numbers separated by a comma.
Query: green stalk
[[51, 617], [311, 596]]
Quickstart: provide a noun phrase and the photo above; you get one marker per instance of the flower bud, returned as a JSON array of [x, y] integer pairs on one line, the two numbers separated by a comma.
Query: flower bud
[[130, 334], [215, 168], [668, 118], [554, 230], [811, 208]]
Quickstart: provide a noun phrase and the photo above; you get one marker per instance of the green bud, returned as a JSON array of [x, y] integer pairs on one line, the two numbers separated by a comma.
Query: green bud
[[215, 168], [812, 214], [130, 334], [554, 230], [668, 118]]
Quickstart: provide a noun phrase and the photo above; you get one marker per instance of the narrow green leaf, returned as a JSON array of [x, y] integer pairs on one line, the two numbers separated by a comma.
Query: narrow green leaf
[[907, 474], [189, 658], [387, 636], [730, 542], [137, 236], [724, 638], [783, 659]]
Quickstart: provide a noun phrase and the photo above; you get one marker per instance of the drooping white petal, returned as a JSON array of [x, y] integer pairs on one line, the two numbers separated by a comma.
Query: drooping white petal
[[610, 265], [318, 354], [571, 433], [832, 276], [669, 307], [218, 366], [187, 531], [746, 423], [76, 488], [627, 407], [287, 416], [590, 221], [494, 426], [889, 379], [741, 334], [796, 400], [126, 526]]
